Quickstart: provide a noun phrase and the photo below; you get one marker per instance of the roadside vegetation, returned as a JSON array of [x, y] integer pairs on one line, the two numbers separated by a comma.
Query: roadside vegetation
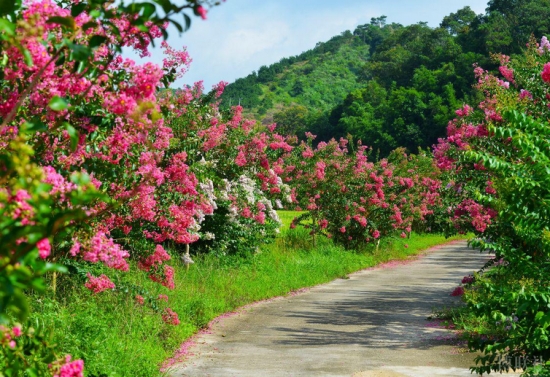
[[115, 335]]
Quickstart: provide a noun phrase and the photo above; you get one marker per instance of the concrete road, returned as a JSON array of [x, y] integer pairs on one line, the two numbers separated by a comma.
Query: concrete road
[[373, 324]]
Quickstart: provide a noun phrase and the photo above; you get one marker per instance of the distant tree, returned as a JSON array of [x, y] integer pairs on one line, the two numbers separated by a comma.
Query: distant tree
[[297, 88], [459, 23], [508, 24], [291, 121]]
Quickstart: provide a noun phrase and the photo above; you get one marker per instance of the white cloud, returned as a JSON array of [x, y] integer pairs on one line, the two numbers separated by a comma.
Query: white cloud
[[242, 35]]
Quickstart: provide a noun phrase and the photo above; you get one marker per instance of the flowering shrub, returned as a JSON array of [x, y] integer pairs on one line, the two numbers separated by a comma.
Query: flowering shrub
[[497, 161], [355, 201], [237, 167], [80, 131]]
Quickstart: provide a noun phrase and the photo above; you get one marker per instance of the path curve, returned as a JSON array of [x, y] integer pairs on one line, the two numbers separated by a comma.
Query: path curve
[[370, 325]]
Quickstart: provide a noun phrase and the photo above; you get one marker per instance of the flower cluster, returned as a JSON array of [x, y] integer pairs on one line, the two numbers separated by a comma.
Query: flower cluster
[[68, 368]]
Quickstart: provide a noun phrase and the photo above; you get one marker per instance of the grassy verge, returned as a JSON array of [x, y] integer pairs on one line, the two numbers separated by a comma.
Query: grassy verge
[[116, 336]]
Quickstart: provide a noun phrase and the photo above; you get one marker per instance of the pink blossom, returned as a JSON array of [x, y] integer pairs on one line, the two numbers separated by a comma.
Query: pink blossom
[[156, 259], [140, 300], [219, 88], [17, 331], [170, 317], [178, 60], [75, 249], [202, 12], [508, 73], [44, 248], [525, 94], [376, 234], [490, 189], [458, 291], [546, 73], [71, 368], [103, 249], [59, 184], [320, 170], [241, 159], [544, 45], [99, 284], [308, 153], [163, 298], [465, 111], [342, 229]]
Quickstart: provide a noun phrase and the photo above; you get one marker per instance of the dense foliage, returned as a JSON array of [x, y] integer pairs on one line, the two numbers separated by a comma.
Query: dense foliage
[[497, 159]]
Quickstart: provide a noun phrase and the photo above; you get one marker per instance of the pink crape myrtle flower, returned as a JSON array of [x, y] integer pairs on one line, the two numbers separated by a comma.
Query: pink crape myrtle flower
[[458, 291], [170, 317], [17, 331], [546, 73], [71, 368], [100, 284], [103, 249], [202, 12], [44, 248]]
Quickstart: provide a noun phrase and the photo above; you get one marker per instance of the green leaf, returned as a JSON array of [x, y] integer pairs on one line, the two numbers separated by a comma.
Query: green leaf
[[73, 134], [147, 10], [165, 4], [76, 9], [95, 13], [58, 104], [7, 27], [27, 56], [64, 21], [35, 126], [97, 40], [89, 25], [177, 25], [78, 51], [9, 6]]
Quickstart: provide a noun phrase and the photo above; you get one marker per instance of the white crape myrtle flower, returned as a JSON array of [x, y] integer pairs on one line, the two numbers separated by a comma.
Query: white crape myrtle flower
[[195, 227], [270, 211], [249, 186], [225, 189], [208, 236], [274, 216], [187, 259], [208, 189], [233, 213], [278, 204]]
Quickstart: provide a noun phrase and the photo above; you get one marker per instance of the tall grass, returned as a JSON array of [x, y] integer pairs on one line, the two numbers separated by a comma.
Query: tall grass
[[118, 337]]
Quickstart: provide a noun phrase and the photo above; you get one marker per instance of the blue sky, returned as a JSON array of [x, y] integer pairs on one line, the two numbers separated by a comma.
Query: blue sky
[[242, 35]]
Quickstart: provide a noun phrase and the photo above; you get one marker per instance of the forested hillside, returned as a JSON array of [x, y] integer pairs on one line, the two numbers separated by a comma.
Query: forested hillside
[[386, 84]]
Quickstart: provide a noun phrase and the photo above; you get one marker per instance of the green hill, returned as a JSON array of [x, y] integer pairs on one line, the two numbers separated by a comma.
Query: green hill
[[307, 79], [386, 84]]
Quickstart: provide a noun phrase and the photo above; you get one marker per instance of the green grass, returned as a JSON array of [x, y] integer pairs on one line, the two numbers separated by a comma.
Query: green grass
[[287, 217], [117, 337]]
